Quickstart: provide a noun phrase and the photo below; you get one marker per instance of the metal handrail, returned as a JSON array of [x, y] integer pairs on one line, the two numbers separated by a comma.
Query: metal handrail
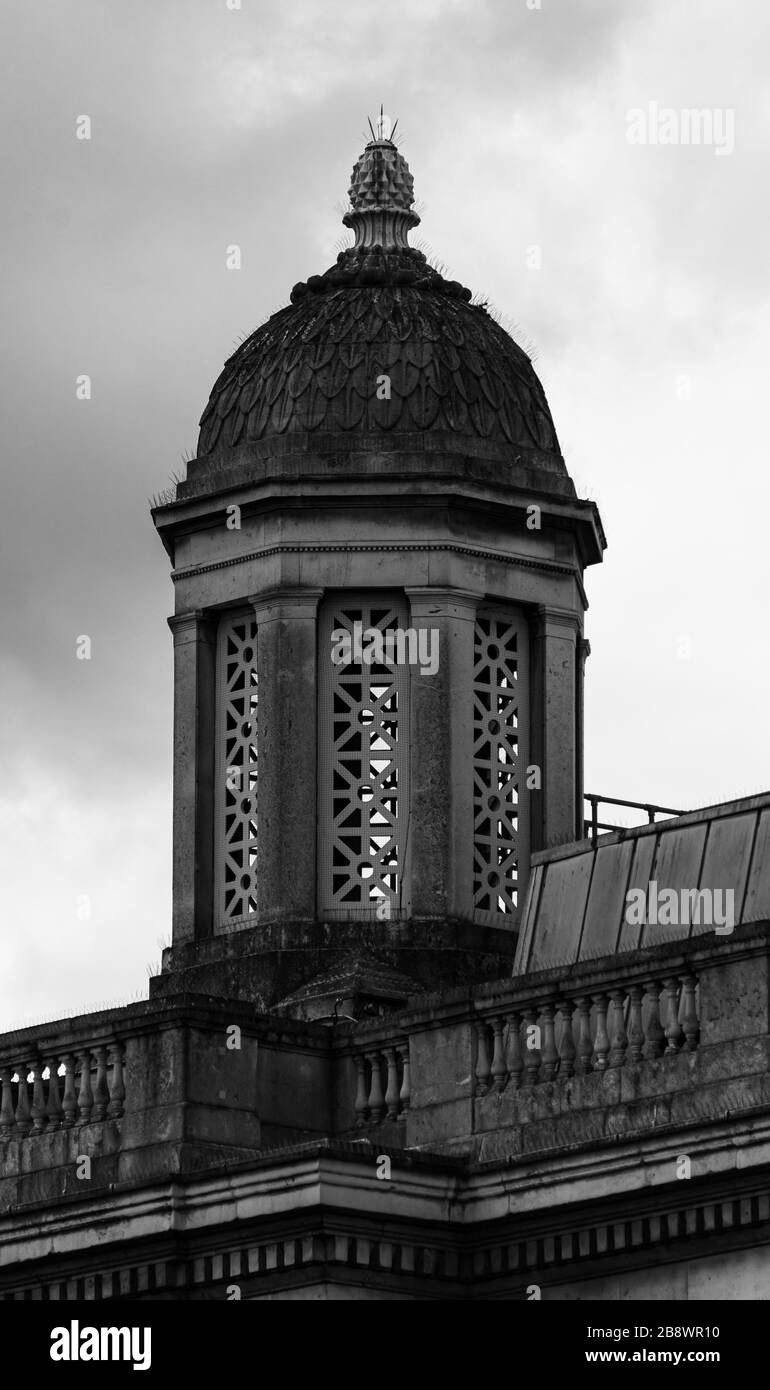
[[593, 825]]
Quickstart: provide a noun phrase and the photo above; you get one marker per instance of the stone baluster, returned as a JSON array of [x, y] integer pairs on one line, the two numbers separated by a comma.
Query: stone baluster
[[482, 1059], [7, 1117], [515, 1056], [69, 1103], [405, 1095], [376, 1094], [656, 1038], [670, 1011], [101, 1089], [391, 1091], [38, 1107], [499, 1069], [690, 1022], [85, 1094], [23, 1119], [618, 1039], [585, 1047], [601, 1040], [532, 1040], [550, 1056], [567, 1050], [117, 1083], [362, 1091], [53, 1109], [635, 1030]]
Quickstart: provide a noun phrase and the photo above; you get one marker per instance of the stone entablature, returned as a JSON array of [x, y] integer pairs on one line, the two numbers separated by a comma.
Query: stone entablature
[[315, 1221]]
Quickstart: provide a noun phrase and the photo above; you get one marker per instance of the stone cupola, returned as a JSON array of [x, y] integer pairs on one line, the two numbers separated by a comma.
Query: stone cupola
[[378, 558]]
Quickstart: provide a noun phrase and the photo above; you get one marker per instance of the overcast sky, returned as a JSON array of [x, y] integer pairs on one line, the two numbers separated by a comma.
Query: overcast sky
[[213, 126]]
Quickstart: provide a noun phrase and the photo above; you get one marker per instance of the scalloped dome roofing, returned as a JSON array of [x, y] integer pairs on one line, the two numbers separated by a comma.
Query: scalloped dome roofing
[[317, 366]]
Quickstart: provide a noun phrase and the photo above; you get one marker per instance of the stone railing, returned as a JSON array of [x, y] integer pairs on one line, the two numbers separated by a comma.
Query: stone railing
[[546, 1049], [383, 1088], [544, 1042], [147, 1076], [573, 1033], [61, 1089]]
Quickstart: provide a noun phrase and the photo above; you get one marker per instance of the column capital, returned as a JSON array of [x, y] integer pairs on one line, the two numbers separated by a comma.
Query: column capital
[[197, 622], [548, 619], [439, 601], [291, 602]]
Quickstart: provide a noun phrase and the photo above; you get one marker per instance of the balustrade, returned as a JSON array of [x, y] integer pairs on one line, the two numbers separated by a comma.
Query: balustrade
[[560, 1037], [383, 1087], [550, 1039], [32, 1100]]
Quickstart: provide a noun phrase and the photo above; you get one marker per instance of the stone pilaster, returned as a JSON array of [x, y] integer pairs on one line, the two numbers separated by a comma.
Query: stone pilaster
[[440, 833], [193, 841], [557, 806], [287, 754]]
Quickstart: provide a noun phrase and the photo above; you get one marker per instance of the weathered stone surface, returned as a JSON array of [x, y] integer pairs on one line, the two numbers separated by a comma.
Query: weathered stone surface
[[268, 963]]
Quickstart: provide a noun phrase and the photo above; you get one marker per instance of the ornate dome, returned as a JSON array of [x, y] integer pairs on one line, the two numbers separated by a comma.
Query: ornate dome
[[379, 344]]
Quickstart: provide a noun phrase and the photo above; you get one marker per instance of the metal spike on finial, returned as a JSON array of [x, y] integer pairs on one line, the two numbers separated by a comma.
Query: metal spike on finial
[[378, 133], [381, 193]]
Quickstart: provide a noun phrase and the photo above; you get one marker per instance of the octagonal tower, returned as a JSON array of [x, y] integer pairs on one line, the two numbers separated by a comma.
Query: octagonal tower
[[378, 558]]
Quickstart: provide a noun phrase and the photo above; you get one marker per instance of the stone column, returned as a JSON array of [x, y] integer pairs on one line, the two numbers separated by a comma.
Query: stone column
[[439, 859], [286, 754], [555, 727], [193, 802]]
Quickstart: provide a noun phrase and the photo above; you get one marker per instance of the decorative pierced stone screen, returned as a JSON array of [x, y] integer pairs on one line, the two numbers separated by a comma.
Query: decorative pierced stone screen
[[499, 704], [363, 762], [236, 770]]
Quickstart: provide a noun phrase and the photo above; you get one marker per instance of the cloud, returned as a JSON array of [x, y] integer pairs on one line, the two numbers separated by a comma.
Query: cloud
[[86, 897]]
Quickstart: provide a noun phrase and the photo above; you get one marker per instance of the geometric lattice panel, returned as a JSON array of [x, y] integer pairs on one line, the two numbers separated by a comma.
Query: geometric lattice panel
[[496, 766], [363, 758], [236, 770]]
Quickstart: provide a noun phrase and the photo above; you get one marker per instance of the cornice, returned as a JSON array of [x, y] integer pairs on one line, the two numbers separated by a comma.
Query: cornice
[[325, 1233], [377, 547]]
